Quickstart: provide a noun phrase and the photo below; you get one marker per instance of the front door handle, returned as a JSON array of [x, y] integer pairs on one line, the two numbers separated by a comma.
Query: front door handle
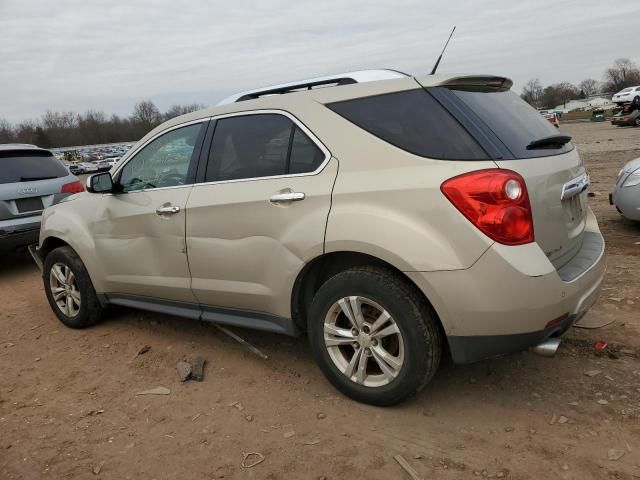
[[167, 210], [287, 197]]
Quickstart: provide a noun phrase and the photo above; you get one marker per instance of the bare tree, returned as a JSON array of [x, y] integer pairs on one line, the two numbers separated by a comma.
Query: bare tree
[[589, 86], [623, 73], [25, 132], [532, 92], [146, 112], [177, 110], [6, 132], [559, 94]]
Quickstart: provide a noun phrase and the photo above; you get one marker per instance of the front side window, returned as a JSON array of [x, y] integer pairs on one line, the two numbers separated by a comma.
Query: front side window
[[258, 146], [164, 162]]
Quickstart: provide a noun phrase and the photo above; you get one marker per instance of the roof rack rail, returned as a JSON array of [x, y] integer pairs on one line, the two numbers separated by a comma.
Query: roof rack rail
[[360, 76]]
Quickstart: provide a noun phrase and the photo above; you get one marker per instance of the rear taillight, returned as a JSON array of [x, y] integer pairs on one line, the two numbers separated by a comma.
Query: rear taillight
[[495, 201], [72, 187]]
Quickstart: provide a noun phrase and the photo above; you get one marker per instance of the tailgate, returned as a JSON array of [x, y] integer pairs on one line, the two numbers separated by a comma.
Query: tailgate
[[557, 192]]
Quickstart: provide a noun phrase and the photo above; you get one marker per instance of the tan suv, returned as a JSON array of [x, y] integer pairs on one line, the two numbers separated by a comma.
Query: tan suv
[[394, 219]]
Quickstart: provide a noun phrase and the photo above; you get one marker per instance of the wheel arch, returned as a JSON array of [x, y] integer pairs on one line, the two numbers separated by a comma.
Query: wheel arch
[[51, 243], [323, 267]]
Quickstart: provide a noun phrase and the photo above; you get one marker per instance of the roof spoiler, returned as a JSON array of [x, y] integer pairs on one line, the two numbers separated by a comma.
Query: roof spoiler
[[491, 81]]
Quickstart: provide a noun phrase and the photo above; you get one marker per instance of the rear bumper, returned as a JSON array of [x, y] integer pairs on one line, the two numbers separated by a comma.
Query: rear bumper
[[512, 298], [472, 349], [21, 238]]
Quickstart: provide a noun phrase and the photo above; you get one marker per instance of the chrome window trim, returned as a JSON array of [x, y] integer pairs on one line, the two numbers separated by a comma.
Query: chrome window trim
[[298, 123]]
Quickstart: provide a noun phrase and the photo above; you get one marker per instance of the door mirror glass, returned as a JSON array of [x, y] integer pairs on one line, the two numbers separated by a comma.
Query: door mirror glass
[[100, 183]]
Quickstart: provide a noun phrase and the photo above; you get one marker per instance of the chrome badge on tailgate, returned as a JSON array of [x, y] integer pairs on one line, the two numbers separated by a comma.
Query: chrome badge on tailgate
[[575, 187]]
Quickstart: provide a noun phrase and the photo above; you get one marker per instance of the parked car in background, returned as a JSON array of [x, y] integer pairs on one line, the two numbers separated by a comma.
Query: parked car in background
[[88, 167], [456, 222], [75, 168], [112, 161], [103, 165], [551, 117], [626, 192], [31, 179], [629, 94], [627, 116]]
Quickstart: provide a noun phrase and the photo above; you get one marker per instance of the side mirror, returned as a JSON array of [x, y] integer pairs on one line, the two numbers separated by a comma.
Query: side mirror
[[100, 183]]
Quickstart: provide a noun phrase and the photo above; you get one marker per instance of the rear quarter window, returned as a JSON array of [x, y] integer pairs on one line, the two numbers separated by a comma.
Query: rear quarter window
[[27, 166], [512, 120], [413, 121]]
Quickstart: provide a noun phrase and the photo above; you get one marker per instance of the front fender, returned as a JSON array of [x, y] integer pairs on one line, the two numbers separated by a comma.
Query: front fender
[[70, 222]]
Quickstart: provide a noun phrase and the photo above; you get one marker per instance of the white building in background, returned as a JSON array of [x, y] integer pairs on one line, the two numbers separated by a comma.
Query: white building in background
[[586, 104]]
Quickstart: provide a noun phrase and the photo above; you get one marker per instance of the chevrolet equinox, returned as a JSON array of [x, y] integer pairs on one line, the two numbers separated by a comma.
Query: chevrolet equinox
[[394, 219]]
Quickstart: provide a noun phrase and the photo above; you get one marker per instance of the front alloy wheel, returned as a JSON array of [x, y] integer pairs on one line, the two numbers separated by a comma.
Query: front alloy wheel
[[363, 341], [69, 289], [64, 289]]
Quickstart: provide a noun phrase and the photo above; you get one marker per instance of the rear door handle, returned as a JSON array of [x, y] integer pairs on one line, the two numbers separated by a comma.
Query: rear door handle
[[287, 197], [167, 210]]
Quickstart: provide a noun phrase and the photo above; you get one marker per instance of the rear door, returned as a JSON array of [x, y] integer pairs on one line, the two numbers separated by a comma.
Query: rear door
[[553, 171], [260, 212]]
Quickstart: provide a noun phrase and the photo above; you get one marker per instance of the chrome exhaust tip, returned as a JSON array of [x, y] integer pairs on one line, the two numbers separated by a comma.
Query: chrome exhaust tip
[[547, 348]]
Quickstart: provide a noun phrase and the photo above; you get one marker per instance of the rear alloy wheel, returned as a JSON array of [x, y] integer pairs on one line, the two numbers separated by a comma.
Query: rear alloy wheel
[[363, 341], [69, 289], [374, 336]]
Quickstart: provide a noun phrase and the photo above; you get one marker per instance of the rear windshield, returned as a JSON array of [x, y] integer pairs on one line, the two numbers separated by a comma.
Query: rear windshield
[[512, 120], [29, 166], [413, 121]]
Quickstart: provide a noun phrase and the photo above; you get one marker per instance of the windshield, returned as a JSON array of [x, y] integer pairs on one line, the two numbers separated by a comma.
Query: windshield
[[29, 166], [512, 120]]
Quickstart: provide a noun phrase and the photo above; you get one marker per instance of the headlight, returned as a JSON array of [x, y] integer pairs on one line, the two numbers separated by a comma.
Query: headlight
[[633, 179]]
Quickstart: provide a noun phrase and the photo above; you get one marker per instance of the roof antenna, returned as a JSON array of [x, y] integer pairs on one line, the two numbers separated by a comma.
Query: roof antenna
[[435, 67]]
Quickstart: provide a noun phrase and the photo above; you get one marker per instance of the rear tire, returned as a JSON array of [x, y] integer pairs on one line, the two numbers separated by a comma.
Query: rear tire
[[400, 354], [69, 289]]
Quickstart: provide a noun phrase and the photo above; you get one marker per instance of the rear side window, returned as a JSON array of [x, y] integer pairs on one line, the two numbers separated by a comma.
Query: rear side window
[[305, 155], [28, 166], [512, 120], [413, 121], [258, 146]]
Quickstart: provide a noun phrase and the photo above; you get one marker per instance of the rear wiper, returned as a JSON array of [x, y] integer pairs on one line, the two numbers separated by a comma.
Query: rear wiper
[[33, 179], [552, 141]]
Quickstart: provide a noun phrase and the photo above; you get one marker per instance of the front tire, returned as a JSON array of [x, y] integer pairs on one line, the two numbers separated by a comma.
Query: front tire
[[374, 337], [69, 289]]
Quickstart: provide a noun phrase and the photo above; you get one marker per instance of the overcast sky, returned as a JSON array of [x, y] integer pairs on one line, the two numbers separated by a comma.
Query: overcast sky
[[78, 54]]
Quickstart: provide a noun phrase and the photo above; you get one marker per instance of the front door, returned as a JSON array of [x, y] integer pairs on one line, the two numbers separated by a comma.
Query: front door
[[140, 231], [260, 213]]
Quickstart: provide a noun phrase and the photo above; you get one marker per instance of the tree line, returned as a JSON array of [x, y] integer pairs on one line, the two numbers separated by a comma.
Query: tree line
[[63, 129], [623, 73]]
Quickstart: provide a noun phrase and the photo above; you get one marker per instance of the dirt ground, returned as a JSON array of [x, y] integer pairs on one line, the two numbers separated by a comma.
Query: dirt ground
[[69, 409]]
